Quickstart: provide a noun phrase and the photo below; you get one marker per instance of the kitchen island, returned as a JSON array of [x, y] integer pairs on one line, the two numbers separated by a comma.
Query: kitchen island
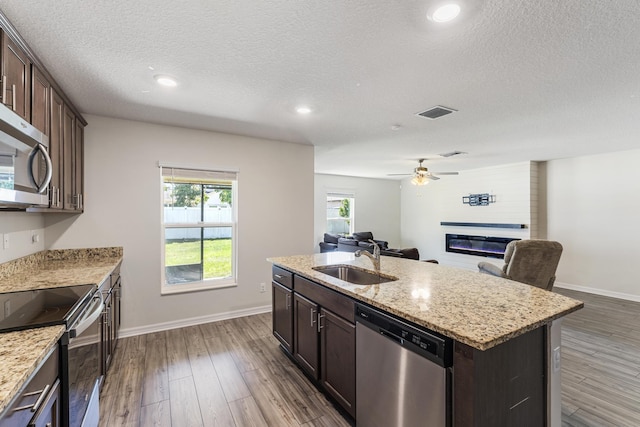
[[500, 329]]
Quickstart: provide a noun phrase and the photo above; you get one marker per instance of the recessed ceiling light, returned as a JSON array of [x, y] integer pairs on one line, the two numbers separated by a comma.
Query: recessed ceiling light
[[165, 80], [303, 109], [445, 13]]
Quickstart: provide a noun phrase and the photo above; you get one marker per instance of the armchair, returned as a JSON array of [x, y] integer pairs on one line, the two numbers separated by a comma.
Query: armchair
[[533, 262]]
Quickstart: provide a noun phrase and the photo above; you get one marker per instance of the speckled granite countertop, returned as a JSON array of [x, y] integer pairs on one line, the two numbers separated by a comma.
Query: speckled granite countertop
[[59, 268], [476, 309], [21, 352]]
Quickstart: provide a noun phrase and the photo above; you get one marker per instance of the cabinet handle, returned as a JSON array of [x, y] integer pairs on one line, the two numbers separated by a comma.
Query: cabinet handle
[[320, 317], [58, 202], [13, 96], [313, 317], [34, 407], [278, 276], [288, 302]]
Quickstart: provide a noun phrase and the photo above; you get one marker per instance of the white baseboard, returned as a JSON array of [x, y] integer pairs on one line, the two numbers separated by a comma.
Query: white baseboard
[[165, 326], [596, 291]]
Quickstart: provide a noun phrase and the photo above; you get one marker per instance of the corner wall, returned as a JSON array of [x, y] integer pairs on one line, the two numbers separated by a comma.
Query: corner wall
[[122, 186], [377, 205], [593, 210]]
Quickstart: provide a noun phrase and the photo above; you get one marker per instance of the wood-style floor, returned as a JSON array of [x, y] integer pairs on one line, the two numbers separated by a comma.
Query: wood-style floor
[[232, 373], [229, 373], [601, 362]]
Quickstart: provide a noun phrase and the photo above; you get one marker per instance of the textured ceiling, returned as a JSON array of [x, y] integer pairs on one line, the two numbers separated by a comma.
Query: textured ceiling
[[534, 80]]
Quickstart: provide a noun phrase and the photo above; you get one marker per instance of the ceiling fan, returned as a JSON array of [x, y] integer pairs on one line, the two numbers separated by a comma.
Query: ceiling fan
[[421, 175]]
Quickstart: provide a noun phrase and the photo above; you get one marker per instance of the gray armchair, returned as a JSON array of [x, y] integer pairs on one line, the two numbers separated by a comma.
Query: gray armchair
[[533, 262]]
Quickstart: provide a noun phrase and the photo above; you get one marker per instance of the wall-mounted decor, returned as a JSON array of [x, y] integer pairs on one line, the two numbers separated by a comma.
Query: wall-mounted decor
[[479, 199]]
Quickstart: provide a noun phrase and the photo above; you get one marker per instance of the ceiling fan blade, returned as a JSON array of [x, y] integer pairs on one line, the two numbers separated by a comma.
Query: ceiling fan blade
[[452, 153], [399, 174], [431, 177], [445, 173]]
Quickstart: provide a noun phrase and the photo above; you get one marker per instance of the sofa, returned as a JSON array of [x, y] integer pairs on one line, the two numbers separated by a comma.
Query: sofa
[[360, 241]]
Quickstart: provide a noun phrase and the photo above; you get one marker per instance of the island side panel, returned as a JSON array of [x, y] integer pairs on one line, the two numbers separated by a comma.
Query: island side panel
[[502, 386]]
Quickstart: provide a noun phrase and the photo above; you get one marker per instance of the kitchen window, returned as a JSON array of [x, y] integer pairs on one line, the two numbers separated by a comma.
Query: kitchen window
[[340, 213], [199, 227]]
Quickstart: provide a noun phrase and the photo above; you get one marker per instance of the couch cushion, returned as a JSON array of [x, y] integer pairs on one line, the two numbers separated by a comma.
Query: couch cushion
[[347, 241], [363, 236], [331, 238]]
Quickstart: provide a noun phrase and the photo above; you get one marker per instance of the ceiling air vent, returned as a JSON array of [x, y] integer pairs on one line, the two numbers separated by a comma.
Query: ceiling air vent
[[436, 112]]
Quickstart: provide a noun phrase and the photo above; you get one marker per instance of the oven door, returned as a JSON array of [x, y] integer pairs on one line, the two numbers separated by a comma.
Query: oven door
[[84, 374]]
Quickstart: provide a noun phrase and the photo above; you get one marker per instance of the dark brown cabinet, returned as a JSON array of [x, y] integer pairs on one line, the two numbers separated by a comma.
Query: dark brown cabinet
[[338, 356], [78, 165], [40, 103], [68, 143], [281, 298], [16, 77], [55, 150], [282, 307], [324, 342], [305, 329], [49, 413], [111, 291]]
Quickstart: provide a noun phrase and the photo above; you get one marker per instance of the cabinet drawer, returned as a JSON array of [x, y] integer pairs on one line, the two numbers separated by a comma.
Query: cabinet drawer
[[282, 276], [33, 394], [327, 298]]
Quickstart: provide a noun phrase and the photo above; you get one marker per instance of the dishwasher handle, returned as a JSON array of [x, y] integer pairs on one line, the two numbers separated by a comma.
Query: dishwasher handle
[[392, 336]]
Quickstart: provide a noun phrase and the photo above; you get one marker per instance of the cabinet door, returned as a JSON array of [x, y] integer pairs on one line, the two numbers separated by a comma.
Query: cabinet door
[[40, 104], [78, 165], [305, 342], [55, 149], [68, 131], [16, 81], [282, 314], [338, 356]]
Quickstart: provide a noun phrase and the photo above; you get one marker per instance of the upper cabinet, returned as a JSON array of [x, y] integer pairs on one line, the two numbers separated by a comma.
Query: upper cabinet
[[30, 91], [16, 77]]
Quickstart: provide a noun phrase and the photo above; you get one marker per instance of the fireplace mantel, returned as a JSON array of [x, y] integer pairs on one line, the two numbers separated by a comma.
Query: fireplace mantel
[[482, 224]]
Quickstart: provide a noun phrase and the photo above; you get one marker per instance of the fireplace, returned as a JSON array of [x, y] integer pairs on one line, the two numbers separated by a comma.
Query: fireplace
[[493, 247]]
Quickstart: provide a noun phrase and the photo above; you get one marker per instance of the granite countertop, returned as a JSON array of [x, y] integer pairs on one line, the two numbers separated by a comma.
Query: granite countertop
[[59, 268], [22, 352], [476, 309]]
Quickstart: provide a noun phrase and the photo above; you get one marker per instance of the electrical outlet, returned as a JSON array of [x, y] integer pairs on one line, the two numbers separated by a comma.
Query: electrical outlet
[[263, 287], [35, 237]]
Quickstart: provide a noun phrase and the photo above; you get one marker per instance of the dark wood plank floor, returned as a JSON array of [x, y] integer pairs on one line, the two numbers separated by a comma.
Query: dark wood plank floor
[[232, 373], [601, 362]]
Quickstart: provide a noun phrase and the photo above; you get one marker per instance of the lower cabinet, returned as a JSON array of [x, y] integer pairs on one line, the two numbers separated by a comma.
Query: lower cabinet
[[324, 338], [282, 310]]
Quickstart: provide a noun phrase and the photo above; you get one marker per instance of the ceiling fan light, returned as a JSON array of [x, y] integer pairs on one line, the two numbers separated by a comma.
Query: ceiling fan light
[[419, 180]]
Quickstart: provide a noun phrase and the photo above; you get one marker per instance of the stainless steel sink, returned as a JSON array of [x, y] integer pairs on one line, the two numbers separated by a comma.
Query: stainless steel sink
[[354, 275]]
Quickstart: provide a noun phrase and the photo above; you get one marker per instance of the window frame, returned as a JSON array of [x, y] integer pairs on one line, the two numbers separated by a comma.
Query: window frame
[[205, 284], [352, 202]]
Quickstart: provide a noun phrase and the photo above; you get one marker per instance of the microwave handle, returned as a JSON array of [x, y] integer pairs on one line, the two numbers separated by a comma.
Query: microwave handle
[[47, 179], [89, 317]]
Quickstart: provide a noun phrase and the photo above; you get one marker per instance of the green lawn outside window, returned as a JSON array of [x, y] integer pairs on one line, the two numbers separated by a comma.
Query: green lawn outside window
[[217, 254]]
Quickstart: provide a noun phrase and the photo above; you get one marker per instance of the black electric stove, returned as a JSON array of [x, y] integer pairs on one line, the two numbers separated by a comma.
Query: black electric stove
[[43, 307]]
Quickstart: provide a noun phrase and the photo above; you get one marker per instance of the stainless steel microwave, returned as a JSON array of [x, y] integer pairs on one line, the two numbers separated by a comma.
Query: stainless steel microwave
[[25, 165]]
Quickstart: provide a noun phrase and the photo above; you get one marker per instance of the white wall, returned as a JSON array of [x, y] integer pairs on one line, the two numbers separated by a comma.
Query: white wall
[[594, 210], [122, 186], [424, 207], [377, 206], [20, 227]]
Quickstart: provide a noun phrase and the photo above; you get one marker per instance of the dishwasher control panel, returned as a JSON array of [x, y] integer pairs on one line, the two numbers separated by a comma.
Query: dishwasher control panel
[[436, 347]]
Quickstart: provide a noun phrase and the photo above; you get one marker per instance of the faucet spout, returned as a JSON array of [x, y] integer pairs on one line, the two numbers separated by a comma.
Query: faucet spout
[[375, 258]]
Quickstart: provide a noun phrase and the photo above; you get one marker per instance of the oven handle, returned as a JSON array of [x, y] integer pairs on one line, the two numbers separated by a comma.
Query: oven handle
[[90, 315]]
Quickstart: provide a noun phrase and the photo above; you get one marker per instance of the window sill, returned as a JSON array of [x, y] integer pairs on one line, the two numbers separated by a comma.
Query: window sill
[[195, 287]]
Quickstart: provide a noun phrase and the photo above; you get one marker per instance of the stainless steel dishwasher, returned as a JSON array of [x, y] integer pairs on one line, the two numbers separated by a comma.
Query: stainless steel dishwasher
[[403, 373]]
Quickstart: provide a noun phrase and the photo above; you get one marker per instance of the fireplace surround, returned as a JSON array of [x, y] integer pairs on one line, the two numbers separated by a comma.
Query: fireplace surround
[[486, 246]]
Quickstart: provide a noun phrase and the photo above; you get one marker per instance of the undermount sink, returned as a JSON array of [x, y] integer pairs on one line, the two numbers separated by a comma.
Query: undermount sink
[[354, 275]]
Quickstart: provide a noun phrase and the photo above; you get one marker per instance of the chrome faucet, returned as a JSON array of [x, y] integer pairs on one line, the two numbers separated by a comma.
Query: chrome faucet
[[375, 258]]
